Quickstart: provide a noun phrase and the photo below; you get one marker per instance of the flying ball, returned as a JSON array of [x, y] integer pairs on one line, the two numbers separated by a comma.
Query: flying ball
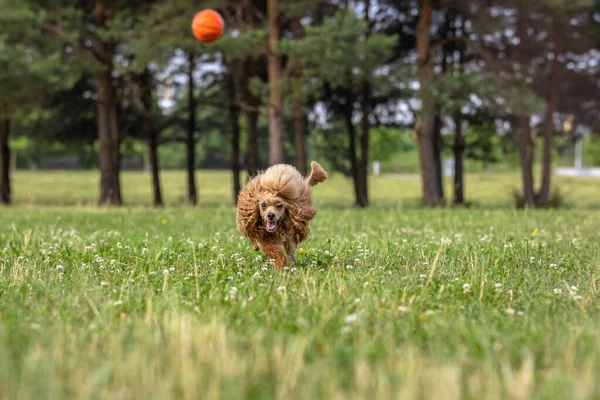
[[208, 25]]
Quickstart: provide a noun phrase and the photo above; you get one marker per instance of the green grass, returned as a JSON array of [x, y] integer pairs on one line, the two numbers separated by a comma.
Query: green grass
[[140, 303], [488, 190]]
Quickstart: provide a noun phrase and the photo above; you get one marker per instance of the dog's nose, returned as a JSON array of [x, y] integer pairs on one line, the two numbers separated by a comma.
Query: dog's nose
[[271, 216]]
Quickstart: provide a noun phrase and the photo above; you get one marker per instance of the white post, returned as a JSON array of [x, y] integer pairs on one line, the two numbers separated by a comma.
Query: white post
[[376, 168], [579, 153]]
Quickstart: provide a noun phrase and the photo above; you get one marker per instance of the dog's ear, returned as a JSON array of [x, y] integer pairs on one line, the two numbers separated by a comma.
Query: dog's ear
[[248, 213], [300, 216]]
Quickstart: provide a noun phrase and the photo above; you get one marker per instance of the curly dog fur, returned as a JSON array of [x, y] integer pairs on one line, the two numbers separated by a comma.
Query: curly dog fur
[[274, 209]]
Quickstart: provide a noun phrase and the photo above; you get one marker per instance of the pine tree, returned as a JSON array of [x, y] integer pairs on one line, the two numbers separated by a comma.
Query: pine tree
[[31, 67]]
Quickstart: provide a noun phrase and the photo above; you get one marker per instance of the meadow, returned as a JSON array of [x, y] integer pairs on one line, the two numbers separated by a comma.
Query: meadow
[[392, 302]]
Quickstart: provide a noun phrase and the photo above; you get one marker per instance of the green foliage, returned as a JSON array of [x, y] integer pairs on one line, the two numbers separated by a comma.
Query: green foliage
[[331, 146], [31, 63], [340, 51], [591, 148], [483, 144], [387, 142]]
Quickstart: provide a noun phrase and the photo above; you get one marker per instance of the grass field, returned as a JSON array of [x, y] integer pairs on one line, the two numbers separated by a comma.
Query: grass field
[[491, 190], [139, 303]]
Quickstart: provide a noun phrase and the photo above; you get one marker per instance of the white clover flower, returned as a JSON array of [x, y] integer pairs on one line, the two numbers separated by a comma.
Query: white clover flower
[[117, 303], [422, 276], [351, 319], [532, 259], [498, 286], [552, 265], [60, 268], [403, 309], [557, 291], [446, 240], [574, 288], [356, 301], [510, 311], [103, 283], [280, 288], [577, 297], [166, 272], [119, 245], [520, 313], [172, 269], [349, 267]]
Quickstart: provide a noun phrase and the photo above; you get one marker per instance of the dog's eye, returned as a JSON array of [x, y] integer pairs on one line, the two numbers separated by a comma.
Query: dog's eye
[[264, 205], [279, 205]]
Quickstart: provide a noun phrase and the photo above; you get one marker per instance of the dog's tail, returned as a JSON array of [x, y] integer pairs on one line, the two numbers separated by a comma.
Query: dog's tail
[[317, 174]]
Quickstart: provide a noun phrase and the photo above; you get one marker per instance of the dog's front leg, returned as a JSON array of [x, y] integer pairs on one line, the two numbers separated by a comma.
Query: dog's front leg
[[290, 248], [276, 253]]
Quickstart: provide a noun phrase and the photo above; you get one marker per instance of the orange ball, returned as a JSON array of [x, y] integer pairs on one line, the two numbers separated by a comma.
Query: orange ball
[[208, 26]]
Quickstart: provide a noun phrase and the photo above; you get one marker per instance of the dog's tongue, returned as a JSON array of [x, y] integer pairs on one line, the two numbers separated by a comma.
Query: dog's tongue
[[271, 225]]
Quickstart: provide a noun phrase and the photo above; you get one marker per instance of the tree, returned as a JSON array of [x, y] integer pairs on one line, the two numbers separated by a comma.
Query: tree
[[31, 67], [340, 58], [432, 197], [147, 88], [234, 118], [276, 136], [4, 161], [532, 43], [298, 103]]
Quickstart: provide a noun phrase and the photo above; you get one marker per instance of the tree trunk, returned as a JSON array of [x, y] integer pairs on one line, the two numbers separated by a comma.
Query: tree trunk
[[299, 135], [363, 169], [5, 162], [234, 116], [438, 146], [526, 153], [276, 152], [551, 105], [107, 118], [110, 192], [365, 108], [459, 149], [425, 130], [116, 150], [298, 105], [526, 145], [151, 135], [190, 142], [252, 148], [352, 150]]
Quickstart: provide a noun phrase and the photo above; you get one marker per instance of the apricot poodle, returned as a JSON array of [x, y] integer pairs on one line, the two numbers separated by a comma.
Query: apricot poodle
[[274, 209]]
